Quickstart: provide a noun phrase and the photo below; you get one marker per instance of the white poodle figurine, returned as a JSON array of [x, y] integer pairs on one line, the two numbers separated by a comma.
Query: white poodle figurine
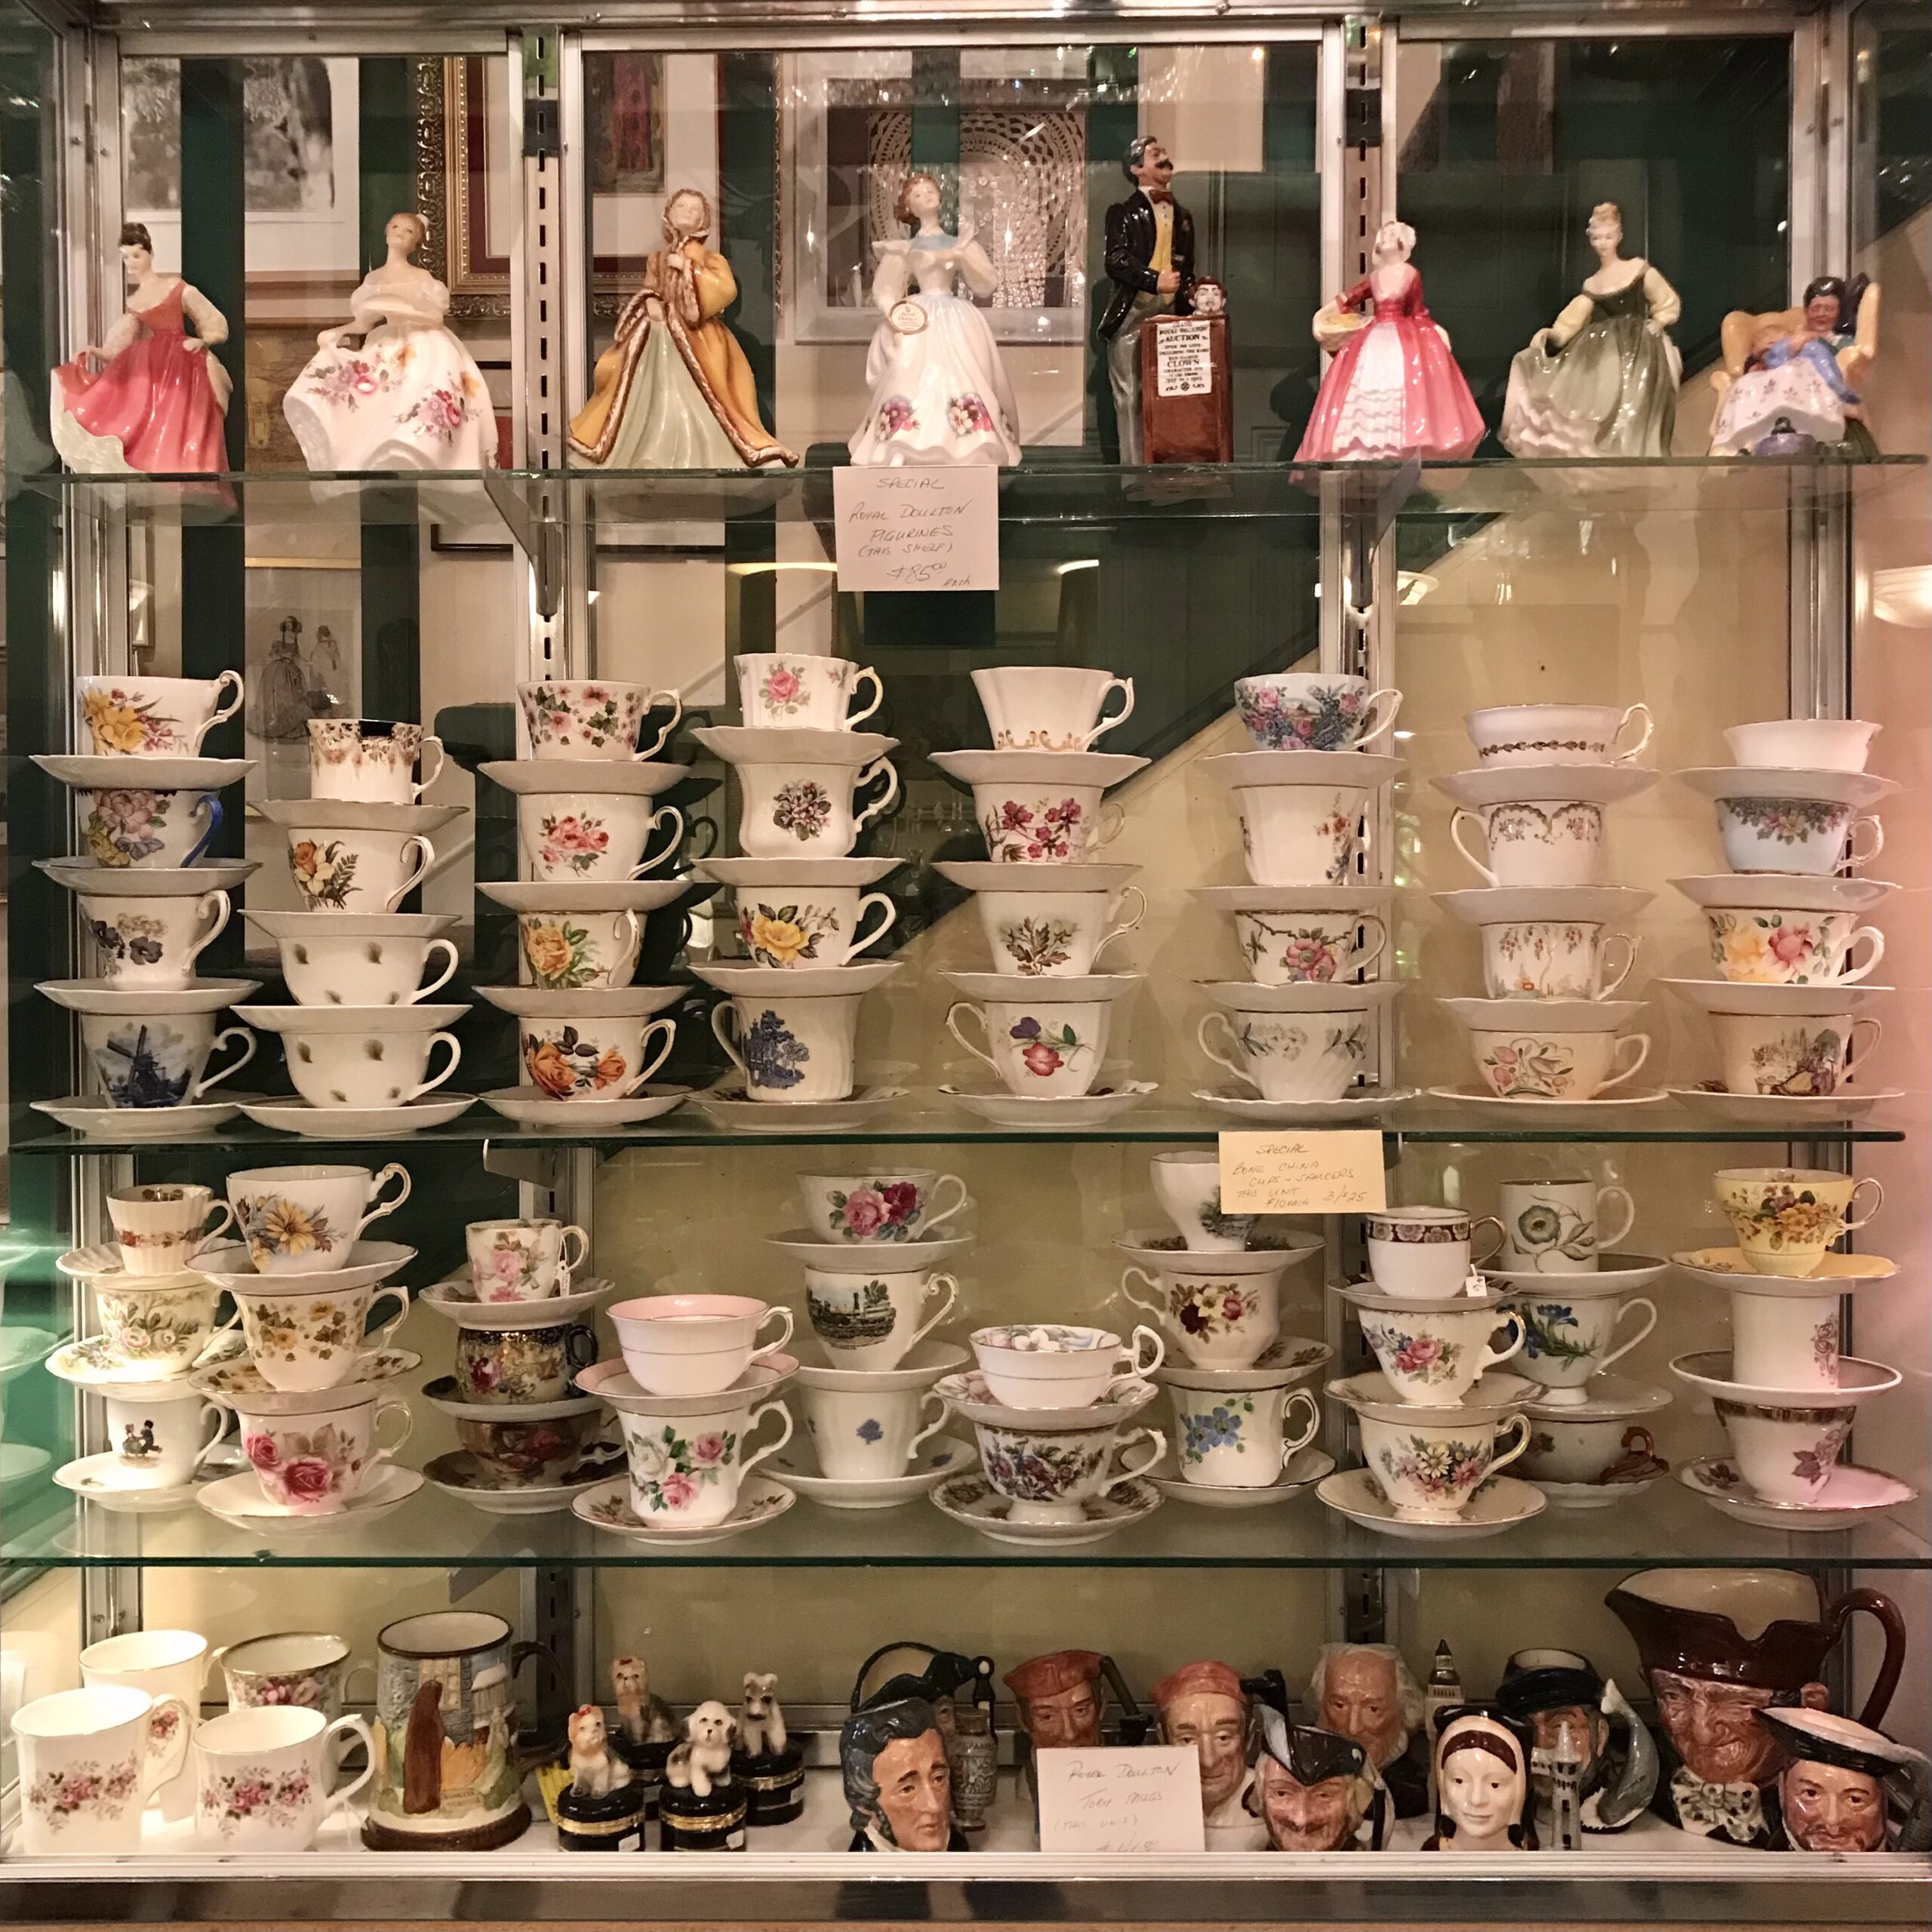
[[596, 1771], [705, 1753], [761, 1723]]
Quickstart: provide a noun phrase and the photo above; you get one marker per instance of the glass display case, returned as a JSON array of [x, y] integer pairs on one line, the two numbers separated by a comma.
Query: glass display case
[[577, 434]]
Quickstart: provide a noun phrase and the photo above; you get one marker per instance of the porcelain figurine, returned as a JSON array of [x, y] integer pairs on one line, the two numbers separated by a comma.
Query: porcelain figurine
[[1316, 1790], [972, 1744], [1574, 1716], [769, 1762], [595, 1769], [149, 398], [898, 1783], [704, 1758], [409, 396], [1835, 1792], [1392, 388], [600, 1809], [1366, 1691], [702, 1807], [938, 390], [1149, 260], [643, 1717], [1800, 370], [1204, 1705], [674, 390], [1060, 1697], [1483, 1802], [1601, 379]]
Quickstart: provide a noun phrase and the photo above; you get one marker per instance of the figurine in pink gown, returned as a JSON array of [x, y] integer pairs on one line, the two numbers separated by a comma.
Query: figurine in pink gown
[[1393, 389], [158, 404]]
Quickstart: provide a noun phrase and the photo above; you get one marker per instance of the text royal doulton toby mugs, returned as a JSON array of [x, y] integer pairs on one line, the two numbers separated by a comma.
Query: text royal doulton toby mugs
[[1204, 1705], [898, 1782], [1367, 1692], [1580, 1721], [1149, 260], [1316, 1790], [1483, 1799]]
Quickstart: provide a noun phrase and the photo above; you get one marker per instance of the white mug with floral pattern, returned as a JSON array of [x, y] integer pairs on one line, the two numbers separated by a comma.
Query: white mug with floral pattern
[[563, 952], [1187, 1185], [1308, 948], [578, 836], [1544, 1064], [153, 942], [384, 1065], [864, 1435], [359, 958], [809, 810], [1289, 1057], [524, 1261], [161, 1062], [1786, 1217], [339, 870], [308, 1668], [796, 690], [311, 1464], [83, 1758], [1786, 1451], [1554, 959], [791, 1047], [161, 1226], [1786, 1341], [1815, 837], [170, 1666], [1216, 1320], [592, 1060], [1041, 825], [303, 1220], [1056, 935], [1299, 835], [1432, 1462], [1570, 1339], [1535, 841], [1044, 1049], [1049, 707], [371, 758], [139, 830], [1778, 1053], [1556, 1226], [685, 1470], [576, 717], [811, 926], [315, 1337], [1424, 1253], [1433, 1352], [1760, 947], [263, 1777], [155, 717], [895, 1204], [873, 1321], [163, 1330], [1048, 1476], [1241, 1439]]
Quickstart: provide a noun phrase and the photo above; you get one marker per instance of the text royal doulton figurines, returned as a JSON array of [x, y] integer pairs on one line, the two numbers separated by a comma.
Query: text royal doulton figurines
[[1149, 260], [149, 398]]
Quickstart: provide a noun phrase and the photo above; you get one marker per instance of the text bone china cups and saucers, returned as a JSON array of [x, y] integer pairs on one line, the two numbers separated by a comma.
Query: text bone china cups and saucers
[[1049, 707], [695, 1344], [304, 1220]]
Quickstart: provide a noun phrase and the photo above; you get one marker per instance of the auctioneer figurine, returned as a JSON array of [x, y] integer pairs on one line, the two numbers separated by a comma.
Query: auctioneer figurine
[[1149, 260], [1800, 369]]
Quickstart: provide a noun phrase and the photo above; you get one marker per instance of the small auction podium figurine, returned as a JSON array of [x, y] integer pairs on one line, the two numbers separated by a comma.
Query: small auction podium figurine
[[1187, 409], [898, 1784], [1149, 260]]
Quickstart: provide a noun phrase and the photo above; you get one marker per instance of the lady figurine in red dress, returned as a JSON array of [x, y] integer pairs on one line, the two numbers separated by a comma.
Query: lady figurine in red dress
[[1393, 389], [159, 404]]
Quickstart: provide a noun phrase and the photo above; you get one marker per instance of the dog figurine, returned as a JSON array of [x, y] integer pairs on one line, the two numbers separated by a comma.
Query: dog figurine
[[595, 1769], [646, 1719], [761, 1723], [705, 1756]]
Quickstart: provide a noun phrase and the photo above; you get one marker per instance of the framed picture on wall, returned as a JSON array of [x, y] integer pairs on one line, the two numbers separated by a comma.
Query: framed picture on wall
[[304, 661]]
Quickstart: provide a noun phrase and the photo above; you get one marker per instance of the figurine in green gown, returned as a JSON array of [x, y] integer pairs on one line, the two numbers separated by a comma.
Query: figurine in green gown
[[1602, 380]]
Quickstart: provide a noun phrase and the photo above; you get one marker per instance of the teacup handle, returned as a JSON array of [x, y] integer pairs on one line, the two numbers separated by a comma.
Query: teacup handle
[[756, 1416], [1382, 723], [390, 1405], [1112, 822], [217, 908], [208, 1350], [937, 1216], [628, 923], [1461, 815], [1606, 987], [579, 1349], [225, 1214], [1367, 956], [1491, 1355], [447, 948], [349, 1725], [1156, 1442], [887, 798], [426, 858], [1102, 723], [215, 1434], [160, 1735], [223, 712], [1153, 1308], [651, 861], [665, 1033], [1622, 1348], [1642, 711], [1605, 1241], [436, 1080], [1293, 1445], [1488, 1254], [1643, 1041], [1855, 1054], [431, 773], [1143, 1339], [765, 1351], [722, 1016], [380, 1205], [208, 1080], [1208, 1020], [1852, 1226], [567, 1263], [209, 804], [1126, 925], [879, 695], [1856, 860], [1517, 1421], [1852, 977], [380, 1338], [663, 737], [937, 1423], [952, 1013], [860, 944], [946, 1286]]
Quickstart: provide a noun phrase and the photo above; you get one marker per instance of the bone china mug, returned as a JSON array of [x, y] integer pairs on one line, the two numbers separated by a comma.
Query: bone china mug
[[83, 1769], [263, 1777], [1554, 1226], [169, 1666]]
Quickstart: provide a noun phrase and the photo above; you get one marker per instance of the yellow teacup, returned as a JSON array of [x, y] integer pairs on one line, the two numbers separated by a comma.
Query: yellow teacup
[[1786, 1217]]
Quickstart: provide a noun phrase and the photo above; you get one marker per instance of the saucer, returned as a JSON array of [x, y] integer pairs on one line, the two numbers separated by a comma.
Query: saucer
[[21, 1461], [366, 1263], [236, 1384], [875, 1257], [1851, 1493], [1589, 1495], [1773, 892], [1627, 1273], [238, 1501], [93, 1114], [529, 1108], [551, 895], [455, 1299], [1301, 1472], [1232, 899], [611, 777], [942, 1456], [610, 1383], [1371, 1393], [1738, 996], [1148, 1248], [728, 1107], [1559, 1015], [1602, 1398], [459, 1473], [975, 1402], [1799, 1109], [1709, 1372], [791, 744], [778, 874], [1303, 767], [91, 1478], [1307, 996], [1855, 789], [108, 996], [927, 1363], [1480, 1097], [1286, 1360], [89, 1365], [606, 1506], [442, 1393], [102, 1262], [1286, 1113], [969, 1499], [1514, 784], [1105, 769], [1500, 1504], [1093, 1109], [98, 771], [426, 1017], [1730, 1268], [741, 978], [582, 1002], [361, 814], [150, 881], [314, 1123], [1102, 988], [1521, 905], [1004, 876]]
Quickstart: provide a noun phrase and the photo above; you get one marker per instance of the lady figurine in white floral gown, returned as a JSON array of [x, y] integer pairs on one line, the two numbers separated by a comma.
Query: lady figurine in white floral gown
[[938, 391], [410, 397]]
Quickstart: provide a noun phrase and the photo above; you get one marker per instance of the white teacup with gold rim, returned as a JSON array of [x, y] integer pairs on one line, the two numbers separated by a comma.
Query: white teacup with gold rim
[[1425, 1253], [1048, 1473], [1519, 734], [1430, 1464], [1791, 1053], [139, 717], [1240, 1438], [371, 758], [160, 1227], [801, 689], [1059, 1365], [314, 1339], [695, 1344], [1049, 707], [820, 925], [304, 1220]]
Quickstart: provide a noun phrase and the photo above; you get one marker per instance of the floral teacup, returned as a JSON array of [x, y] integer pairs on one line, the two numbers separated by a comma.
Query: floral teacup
[[163, 1331], [807, 810], [794, 1046], [1535, 1064], [1556, 1227], [1785, 1452], [1535, 841], [1812, 836], [263, 1777], [315, 1338], [1062, 1365], [140, 829], [872, 1321], [1049, 707], [592, 718], [1554, 959], [1216, 1320], [1786, 1217], [308, 1668], [1299, 835], [151, 941], [564, 951], [1056, 825], [1240, 1438], [303, 1220], [521, 1365], [1756, 946], [902, 1205], [1046, 1048], [1431, 1463], [579, 836], [372, 759], [1314, 710], [817, 926], [1188, 1186], [159, 1062], [686, 1470], [593, 1060], [1308, 948], [1568, 1338], [336, 870], [155, 717], [1054, 935], [170, 1665], [800, 690], [1773, 1054], [1047, 1475], [311, 1464], [1290, 1055], [514, 1261], [525, 1455], [1433, 1352]]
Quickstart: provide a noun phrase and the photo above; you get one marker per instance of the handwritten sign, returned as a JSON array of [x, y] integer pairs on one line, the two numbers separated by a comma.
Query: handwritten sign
[[935, 527], [1147, 1798], [1184, 357], [1338, 1173]]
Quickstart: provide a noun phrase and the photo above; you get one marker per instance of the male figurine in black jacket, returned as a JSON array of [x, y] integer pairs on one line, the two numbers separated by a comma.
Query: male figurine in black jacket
[[1150, 262]]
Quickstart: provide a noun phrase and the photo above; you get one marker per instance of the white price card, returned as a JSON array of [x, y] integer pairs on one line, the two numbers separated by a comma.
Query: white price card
[[1145, 1798], [1184, 357], [932, 527], [1339, 1172]]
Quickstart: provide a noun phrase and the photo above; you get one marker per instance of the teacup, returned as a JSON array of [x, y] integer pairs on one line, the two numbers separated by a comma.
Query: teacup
[[1047, 1048], [1761, 947], [1786, 1218], [160, 1062], [1216, 1320], [578, 836], [1554, 959], [808, 810], [521, 1365], [1815, 837], [1430, 1464], [1053, 825], [1294, 949], [160, 1228], [155, 717], [862, 1435], [1061, 1365], [1774, 1054], [565, 951], [514, 1261], [1785, 1452], [360, 959], [795, 690], [1786, 1341], [1555, 1226], [311, 1464], [1803, 744], [262, 1777], [83, 1757], [136, 830], [900, 1204], [1055, 935], [1240, 1439], [1049, 707], [1540, 842], [303, 1220], [819, 925], [591, 1059], [686, 1470], [153, 942], [371, 758], [169, 1666], [336, 869], [1432, 1353], [695, 1344], [315, 1338], [1290, 1055], [1555, 733], [1047, 1475], [1570, 1339], [384, 1065], [1187, 1185], [872, 1321], [577, 717], [1424, 1253], [309, 1668], [163, 1331], [1538, 1063], [1299, 835], [526, 1455], [158, 1441], [791, 1046], [1609, 1451], [1314, 711]]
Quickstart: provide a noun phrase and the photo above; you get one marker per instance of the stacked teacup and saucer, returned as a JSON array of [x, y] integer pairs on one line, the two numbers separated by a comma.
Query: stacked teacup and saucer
[[1298, 1032], [873, 1249], [147, 805], [530, 1442], [1439, 1418], [600, 852]]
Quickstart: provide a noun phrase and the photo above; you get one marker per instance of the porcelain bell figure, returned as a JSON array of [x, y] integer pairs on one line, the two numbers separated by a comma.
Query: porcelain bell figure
[[1316, 1790], [1799, 370], [409, 396], [1835, 1791], [938, 390], [1574, 1716], [1482, 1781], [1601, 379], [1149, 260], [149, 398], [1367, 1692], [1204, 1705], [898, 1784]]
